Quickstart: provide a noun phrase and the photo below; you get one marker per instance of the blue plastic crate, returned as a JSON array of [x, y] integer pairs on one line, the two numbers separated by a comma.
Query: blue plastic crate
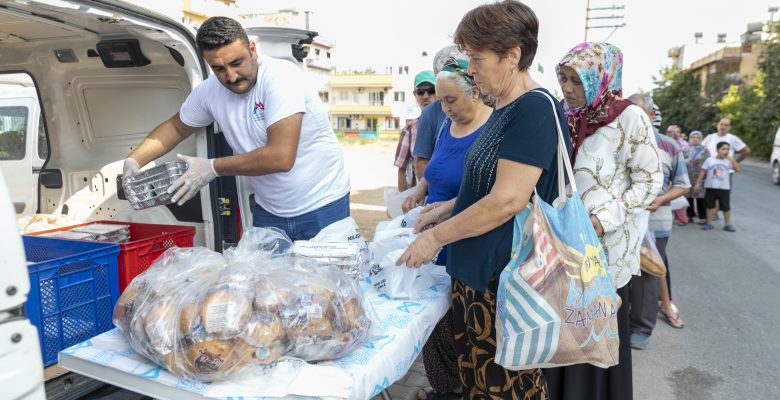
[[73, 288]]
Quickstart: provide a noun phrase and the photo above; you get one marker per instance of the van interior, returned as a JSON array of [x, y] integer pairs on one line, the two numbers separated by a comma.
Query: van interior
[[104, 76]]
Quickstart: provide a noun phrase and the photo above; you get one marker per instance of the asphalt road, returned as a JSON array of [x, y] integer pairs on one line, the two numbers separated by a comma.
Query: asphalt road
[[726, 286]]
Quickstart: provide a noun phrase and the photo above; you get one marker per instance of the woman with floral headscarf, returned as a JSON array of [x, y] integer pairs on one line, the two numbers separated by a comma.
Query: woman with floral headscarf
[[618, 174]]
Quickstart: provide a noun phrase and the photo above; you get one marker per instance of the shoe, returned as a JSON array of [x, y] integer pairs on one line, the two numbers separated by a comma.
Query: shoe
[[729, 228], [707, 227], [702, 222], [680, 223], [639, 342], [673, 319]]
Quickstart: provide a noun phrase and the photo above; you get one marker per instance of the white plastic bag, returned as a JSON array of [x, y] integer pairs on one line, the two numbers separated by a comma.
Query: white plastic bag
[[402, 221], [395, 200], [347, 230], [394, 280], [678, 203], [390, 242]]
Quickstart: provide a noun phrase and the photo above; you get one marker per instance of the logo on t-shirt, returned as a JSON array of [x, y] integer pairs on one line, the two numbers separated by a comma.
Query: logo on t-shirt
[[258, 112], [719, 171]]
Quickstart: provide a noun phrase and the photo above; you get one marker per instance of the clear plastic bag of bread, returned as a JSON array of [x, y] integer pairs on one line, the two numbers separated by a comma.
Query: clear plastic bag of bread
[[210, 317], [650, 260]]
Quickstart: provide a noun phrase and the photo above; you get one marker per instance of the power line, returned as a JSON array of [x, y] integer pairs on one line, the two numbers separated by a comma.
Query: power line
[[611, 21]]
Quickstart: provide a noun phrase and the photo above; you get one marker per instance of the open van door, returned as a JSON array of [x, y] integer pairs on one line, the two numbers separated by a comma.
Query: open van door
[[20, 160]]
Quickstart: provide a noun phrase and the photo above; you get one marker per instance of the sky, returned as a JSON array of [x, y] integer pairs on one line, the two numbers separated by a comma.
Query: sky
[[376, 34]]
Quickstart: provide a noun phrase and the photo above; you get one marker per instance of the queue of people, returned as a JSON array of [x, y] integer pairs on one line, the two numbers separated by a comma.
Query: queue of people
[[485, 143], [623, 166]]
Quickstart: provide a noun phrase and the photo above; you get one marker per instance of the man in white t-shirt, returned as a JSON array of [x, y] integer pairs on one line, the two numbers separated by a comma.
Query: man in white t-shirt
[[722, 135], [278, 130]]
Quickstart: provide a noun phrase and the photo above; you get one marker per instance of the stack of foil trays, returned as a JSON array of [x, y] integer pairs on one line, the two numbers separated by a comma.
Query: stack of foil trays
[[113, 233], [150, 188], [345, 256]]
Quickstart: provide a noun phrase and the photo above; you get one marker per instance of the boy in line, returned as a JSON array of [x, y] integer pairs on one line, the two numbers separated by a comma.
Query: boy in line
[[715, 174]]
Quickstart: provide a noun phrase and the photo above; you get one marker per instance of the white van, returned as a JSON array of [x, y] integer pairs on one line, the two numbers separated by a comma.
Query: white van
[[92, 79], [81, 83], [774, 159]]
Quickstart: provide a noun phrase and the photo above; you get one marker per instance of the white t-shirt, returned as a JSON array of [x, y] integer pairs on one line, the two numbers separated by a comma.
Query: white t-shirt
[[735, 143], [318, 176], [717, 173]]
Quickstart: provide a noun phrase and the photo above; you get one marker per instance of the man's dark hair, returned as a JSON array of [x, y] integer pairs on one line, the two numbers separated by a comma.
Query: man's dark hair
[[721, 144], [219, 31], [499, 27]]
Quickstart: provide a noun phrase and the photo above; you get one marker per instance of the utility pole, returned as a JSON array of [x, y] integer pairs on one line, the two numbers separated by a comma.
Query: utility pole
[[611, 20]]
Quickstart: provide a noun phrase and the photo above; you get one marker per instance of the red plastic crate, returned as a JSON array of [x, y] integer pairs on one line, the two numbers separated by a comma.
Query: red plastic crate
[[147, 242]]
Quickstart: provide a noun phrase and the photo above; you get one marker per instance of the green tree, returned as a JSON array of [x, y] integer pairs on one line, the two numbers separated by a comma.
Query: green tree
[[678, 95], [755, 110]]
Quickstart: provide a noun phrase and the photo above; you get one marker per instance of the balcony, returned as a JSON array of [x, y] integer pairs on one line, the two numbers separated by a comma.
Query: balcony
[[318, 64], [360, 109]]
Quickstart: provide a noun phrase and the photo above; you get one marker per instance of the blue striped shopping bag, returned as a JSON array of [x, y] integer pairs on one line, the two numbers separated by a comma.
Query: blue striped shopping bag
[[556, 300]]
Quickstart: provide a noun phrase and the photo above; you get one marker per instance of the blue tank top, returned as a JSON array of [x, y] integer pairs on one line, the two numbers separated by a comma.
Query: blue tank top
[[445, 169]]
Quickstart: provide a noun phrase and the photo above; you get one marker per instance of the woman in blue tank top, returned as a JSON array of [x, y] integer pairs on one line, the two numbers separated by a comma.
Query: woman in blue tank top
[[467, 110]]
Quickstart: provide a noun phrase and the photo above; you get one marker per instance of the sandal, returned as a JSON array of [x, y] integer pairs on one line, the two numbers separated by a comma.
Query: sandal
[[674, 319], [429, 394]]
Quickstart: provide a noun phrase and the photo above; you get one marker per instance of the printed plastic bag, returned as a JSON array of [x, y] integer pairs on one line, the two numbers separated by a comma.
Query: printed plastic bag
[[347, 231], [402, 221], [209, 317], [390, 242], [650, 260]]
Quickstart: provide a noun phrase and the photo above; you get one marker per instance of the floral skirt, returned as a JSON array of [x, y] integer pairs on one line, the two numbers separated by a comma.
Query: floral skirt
[[473, 320]]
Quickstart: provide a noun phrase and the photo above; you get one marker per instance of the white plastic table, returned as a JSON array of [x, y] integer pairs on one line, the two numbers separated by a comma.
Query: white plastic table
[[403, 327]]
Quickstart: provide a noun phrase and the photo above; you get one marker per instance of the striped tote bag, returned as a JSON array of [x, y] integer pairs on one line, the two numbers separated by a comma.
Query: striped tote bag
[[556, 301]]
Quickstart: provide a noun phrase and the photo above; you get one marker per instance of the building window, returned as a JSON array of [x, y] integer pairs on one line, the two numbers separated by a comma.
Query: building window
[[13, 132], [371, 124], [344, 123], [327, 54], [392, 123], [343, 96], [399, 96], [376, 98], [316, 52], [323, 96], [355, 98]]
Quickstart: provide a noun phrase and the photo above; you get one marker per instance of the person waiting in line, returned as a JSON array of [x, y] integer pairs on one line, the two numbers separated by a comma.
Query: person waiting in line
[[695, 157], [278, 131], [648, 289], [467, 110], [424, 94], [715, 174], [675, 132], [514, 154], [431, 117], [618, 174]]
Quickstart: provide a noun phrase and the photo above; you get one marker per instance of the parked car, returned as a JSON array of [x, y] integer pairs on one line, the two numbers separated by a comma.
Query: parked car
[[774, 159]]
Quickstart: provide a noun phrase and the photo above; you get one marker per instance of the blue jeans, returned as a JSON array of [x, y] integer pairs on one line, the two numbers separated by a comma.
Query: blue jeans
[[305, 226]]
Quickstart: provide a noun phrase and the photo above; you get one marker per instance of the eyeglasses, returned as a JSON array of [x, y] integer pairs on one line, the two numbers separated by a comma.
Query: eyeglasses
[[421, 91]]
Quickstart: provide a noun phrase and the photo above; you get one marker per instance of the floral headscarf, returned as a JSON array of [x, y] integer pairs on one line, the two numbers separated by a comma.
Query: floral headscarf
[[600, 69]]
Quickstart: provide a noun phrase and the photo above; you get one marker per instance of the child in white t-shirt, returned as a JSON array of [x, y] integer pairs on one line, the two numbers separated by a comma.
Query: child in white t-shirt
[[715, 174]]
